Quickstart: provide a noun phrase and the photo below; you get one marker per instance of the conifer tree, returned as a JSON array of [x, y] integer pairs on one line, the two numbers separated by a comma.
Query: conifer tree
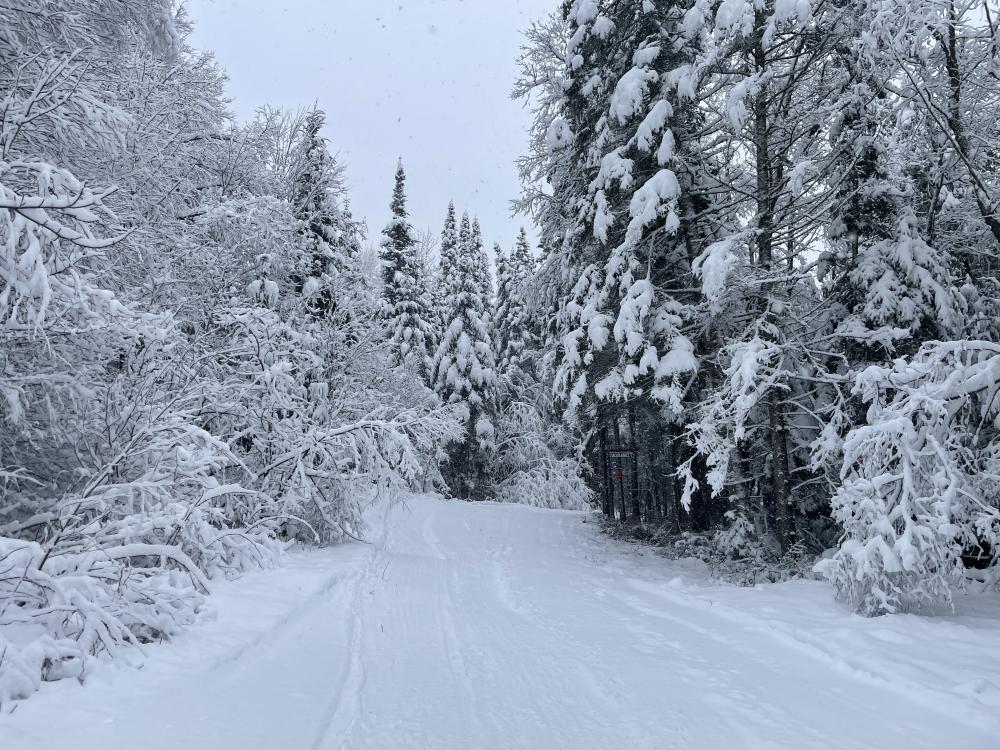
[[406, 304], [330, 233], [447, 272], [463, 262], [505, 284], [522, 262], [464, 368], [463, 247], [484, 279], [511, 324], [520, 330]]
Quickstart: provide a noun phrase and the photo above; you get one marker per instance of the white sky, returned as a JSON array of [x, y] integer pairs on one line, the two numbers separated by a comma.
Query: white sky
[[428, 80]]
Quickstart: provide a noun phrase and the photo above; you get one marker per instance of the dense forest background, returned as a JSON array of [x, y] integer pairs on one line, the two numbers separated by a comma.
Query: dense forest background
[[771, 252]]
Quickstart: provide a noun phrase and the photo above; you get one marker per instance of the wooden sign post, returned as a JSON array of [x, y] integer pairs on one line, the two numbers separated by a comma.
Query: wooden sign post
[[619, 458], [619, 451]]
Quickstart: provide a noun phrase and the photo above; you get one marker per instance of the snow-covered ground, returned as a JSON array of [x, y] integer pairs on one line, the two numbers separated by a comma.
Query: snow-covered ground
[[499, 626]]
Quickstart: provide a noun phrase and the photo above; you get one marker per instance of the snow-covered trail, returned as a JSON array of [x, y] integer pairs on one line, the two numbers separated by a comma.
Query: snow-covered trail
[[489, 626]]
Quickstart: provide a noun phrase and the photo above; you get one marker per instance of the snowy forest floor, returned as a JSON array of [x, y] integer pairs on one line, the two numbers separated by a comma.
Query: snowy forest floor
[[500, 626]]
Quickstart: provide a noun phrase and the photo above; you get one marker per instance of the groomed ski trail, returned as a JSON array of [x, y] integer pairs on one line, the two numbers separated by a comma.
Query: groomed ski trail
[[489, 626]]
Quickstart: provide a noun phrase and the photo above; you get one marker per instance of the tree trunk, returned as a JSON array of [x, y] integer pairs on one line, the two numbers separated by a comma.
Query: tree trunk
[[779, 470], [619, 473], [671, 498], [766, 164], [634, 440], [607, 491], [957, 126]]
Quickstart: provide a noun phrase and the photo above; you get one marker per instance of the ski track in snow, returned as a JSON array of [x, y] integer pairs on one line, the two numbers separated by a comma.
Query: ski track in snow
[[491, 626]]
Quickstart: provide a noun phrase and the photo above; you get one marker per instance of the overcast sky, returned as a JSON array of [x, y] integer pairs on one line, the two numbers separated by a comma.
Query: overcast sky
[[427, 80]]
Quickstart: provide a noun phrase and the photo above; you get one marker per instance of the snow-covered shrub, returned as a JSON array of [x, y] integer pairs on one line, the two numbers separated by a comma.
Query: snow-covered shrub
[[738, 553], [535, 465], [69, 599], [737, 539], [317, 416], [124, 556], [921, 480]]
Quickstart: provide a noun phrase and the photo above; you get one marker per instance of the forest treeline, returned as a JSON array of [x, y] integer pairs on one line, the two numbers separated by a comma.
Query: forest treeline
[[771, 239]]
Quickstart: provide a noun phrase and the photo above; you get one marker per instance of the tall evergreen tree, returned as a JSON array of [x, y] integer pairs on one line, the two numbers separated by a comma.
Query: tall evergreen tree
[[484, 278], [454, 282], [511, 325], [406, 303], [523, 264], [330, 233], [615, 138], [447, 272], [505, 285], [464, 369]]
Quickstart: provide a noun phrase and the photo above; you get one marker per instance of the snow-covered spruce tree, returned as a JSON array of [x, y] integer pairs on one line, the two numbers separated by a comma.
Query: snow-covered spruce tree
[[779, 384], [920, 479], [522, 261], [327, 228], [403, 285], [460, 261], [550, 179], [755, 425], [483, 274], [447, 272], [464, 371], [517, 335], [620, 245], [889, 278], [536, 461], [945, 59], [910, 261], [505, 306]]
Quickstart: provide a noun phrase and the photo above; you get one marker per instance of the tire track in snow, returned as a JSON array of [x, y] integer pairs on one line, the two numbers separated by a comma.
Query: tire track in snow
[[494, 628], [283, 624], [603, 680], [567, 689], [452, 646], [343, 712]]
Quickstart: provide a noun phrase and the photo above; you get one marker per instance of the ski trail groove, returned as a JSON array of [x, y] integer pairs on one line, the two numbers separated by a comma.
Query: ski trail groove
[[343, 711], [280, 626]]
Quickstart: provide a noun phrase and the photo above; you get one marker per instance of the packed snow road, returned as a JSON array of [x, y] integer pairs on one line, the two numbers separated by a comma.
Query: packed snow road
[[488, 626]]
